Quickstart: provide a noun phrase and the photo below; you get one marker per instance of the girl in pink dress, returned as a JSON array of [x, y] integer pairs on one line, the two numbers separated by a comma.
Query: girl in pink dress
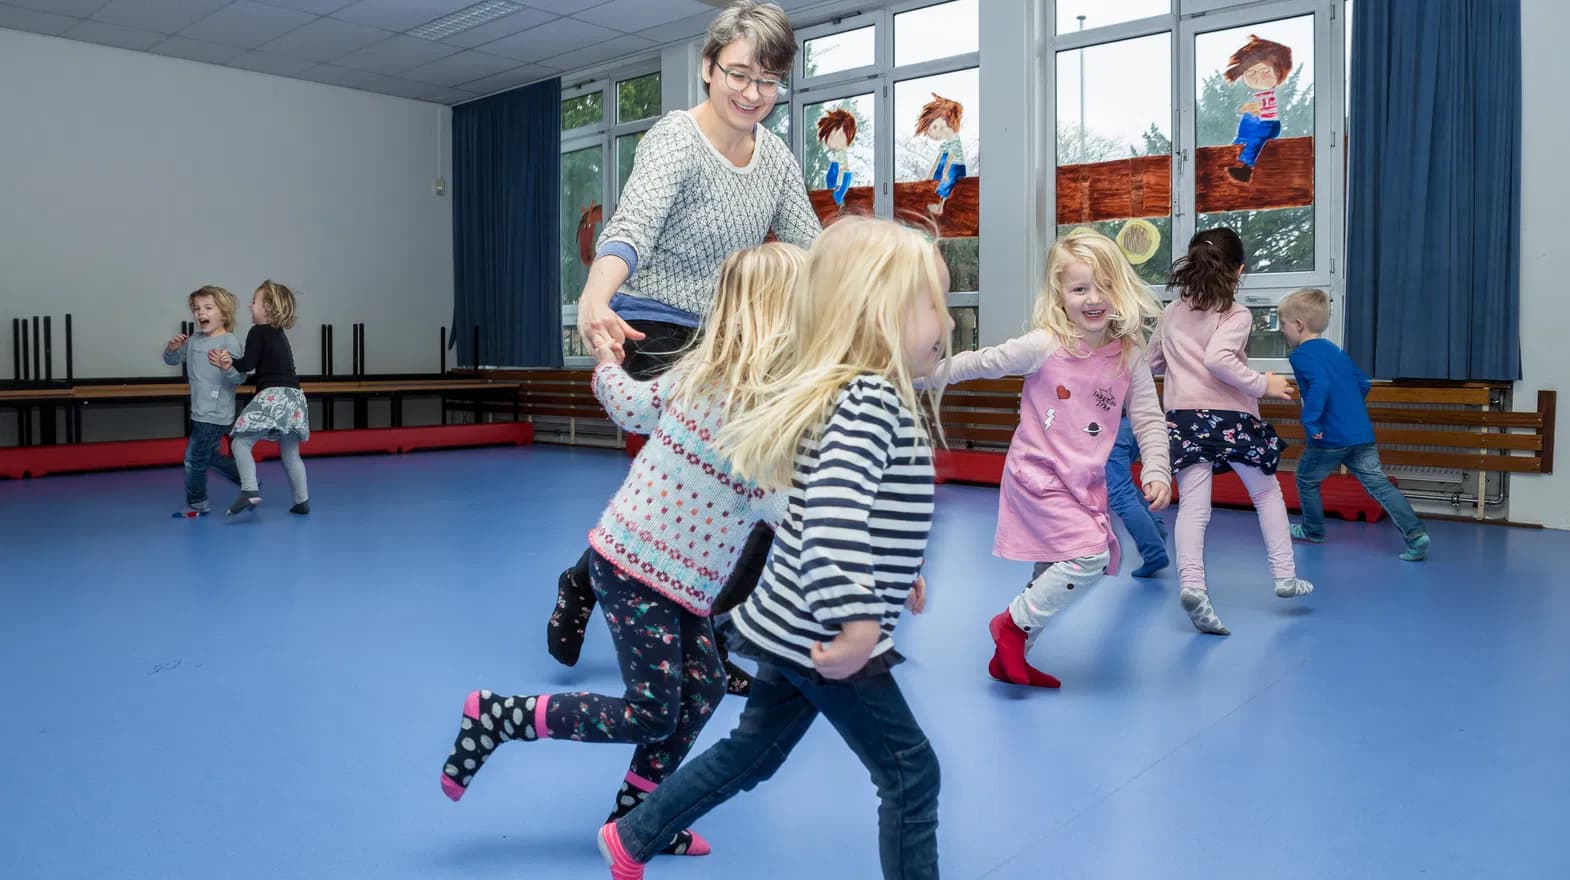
[[1084, 358]]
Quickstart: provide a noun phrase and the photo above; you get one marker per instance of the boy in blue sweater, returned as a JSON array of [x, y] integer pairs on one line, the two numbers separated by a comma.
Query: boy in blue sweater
[[1336, 423]]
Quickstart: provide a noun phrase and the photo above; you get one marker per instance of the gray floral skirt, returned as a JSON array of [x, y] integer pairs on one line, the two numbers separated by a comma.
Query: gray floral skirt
[[274, 412]]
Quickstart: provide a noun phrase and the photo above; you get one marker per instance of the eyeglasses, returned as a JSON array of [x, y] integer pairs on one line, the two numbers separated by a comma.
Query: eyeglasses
[[739, 80]]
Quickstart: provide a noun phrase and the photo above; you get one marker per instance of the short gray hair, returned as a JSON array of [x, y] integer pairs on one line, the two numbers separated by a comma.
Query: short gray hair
[[765, 24]]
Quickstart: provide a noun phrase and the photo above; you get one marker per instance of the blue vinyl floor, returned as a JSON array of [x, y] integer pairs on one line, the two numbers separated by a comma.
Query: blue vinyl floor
[[275, 698]]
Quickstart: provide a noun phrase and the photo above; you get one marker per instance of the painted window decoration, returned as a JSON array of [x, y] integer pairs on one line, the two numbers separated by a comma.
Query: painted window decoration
[[1254, 162], [839, 155], [937, 165], [1114, 148]]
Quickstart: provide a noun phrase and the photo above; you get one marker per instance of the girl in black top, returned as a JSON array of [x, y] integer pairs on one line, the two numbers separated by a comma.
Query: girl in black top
[[278, 412]]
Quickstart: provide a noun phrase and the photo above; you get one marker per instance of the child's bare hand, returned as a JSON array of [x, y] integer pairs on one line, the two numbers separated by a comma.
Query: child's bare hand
[[1276, 386], [916, 600], [177, 341], [1158, 494], [848, 652], [219, 357]]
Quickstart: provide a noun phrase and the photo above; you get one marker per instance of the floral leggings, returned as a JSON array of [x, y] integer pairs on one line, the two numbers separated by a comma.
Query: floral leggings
[[670, 666]]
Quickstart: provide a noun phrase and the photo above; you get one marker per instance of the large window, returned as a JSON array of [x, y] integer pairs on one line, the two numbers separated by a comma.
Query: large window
[[885, 112], [602, 122], [1179, 115]]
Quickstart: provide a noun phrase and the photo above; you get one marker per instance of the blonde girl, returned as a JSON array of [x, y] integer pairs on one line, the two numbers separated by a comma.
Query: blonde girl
[[837, 427], [1084, 359], [660, 555], [278, 412]]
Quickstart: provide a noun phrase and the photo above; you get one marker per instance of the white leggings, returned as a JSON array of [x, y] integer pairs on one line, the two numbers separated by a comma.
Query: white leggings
[[1053, 587]]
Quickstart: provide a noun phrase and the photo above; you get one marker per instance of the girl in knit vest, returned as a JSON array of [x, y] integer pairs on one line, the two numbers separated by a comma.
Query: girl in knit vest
[[663, 548], [1084, 359], [1212, 400]]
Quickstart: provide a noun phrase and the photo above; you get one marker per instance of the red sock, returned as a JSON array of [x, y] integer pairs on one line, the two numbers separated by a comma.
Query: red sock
[[1008, 661], [1034, 676]]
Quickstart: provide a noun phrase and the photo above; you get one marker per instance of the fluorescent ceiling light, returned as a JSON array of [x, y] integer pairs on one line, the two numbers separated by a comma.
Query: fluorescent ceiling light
[[463, 19]]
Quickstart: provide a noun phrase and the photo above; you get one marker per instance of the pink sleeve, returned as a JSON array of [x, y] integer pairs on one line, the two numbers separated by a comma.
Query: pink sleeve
[[1150, 425], [1225, 356], [1153, 351], [1017, 357]]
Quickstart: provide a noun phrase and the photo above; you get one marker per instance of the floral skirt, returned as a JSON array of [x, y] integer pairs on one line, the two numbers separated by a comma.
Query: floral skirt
[[1222, 436], [274, 412]]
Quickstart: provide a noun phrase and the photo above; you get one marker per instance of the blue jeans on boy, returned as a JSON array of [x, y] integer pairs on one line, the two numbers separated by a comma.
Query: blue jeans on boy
[[202, 452], [1362, 460], [947, 177], [871, 715], [838, 182], [1253, 133], [1128, 502]]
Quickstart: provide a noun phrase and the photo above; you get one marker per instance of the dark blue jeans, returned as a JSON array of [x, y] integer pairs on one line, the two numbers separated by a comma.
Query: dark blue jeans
[[1253, 133], [875, 721], [202, 452], [1319, 462], [1128, 500]]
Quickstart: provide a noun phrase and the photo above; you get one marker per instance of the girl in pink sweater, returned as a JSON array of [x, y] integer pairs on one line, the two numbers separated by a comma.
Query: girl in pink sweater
[[1084, 358], [1212, 403]]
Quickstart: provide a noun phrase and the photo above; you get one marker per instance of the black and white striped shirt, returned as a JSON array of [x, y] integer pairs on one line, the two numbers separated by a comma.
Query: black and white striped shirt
[[855, 530]]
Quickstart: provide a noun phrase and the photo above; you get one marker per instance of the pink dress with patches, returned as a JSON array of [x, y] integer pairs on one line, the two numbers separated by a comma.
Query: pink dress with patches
[[1052, 504]]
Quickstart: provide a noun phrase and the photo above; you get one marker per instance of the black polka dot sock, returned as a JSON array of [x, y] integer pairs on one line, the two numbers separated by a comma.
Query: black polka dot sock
[[488, 721], [633, 790]]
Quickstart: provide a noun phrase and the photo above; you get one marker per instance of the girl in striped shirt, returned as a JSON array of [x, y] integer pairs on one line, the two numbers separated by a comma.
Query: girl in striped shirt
[[662, 549], [838, 429]]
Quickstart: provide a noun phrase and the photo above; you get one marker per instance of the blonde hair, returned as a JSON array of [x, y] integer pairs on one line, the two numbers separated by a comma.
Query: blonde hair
[[1309, 304], [749, 321], [862, 277], [279, 303], [223, 299], [1132, 304], [765, 24]]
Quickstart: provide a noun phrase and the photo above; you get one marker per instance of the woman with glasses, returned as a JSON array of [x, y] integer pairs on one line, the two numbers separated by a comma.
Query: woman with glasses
[[705, 182]]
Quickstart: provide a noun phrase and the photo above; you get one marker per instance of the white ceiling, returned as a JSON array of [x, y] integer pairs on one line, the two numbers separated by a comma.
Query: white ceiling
[[362, 44]]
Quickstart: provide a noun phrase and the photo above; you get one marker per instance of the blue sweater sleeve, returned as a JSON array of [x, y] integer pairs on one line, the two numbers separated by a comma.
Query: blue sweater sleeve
[[1314, 390]]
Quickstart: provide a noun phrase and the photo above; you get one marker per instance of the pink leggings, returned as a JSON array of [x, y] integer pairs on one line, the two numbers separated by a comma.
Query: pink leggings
[[1194, 516]]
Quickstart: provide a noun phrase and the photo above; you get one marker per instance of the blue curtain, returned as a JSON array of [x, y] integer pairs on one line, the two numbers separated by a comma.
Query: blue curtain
[[1434, 180], [506, 169]]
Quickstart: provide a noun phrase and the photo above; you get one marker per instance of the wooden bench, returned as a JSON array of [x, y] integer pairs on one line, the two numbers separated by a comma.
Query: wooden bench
[[74, 456], [1450, 425]]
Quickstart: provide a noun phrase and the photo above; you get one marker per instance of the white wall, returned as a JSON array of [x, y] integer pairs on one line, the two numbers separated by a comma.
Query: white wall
[[130, 179], [1545, 307]]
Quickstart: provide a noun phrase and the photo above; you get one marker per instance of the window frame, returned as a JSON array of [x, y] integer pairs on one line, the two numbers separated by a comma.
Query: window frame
[[1188, 19], [603, 134], [878, 79]]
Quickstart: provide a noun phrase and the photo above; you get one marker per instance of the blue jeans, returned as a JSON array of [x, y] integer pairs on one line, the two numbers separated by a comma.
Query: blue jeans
[[202, 452], [950, 176], [837, 181], [872, 716], [1128, 500], [1253, 133], [1319, 462]]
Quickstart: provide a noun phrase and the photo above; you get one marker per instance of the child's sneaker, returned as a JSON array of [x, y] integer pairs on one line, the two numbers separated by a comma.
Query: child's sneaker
[[192, 511], [1299, 535], [1416, 549]]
